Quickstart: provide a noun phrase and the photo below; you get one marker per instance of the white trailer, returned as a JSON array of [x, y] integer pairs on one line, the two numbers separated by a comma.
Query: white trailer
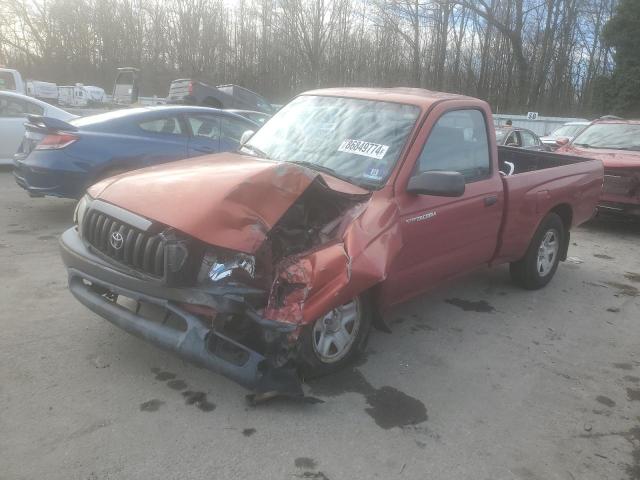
[[73, 95], [45, 91]]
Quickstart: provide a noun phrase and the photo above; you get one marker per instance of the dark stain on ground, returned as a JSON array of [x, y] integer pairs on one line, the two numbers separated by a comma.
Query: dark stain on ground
[[613, 309], [481, 306], [633, 394], [151, 405], [624, 289], [164, 376], [46, 237], [199, 399], [393, 408], [631, 378], [634, 277], [388, 406], [247, 432], [606, 401], [313, 475], [623, 366], [17, 232], [633, 437], [305, 462], [397, 321], [177, 384], [603, 256]]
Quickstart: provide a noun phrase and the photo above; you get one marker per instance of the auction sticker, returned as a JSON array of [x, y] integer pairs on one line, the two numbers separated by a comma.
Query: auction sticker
[[366, 149]]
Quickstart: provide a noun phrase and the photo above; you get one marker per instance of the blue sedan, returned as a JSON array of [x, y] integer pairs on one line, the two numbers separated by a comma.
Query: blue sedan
[[62, 159]]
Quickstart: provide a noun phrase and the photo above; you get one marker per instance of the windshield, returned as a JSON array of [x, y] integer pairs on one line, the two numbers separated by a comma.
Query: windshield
[[567, 131], [615, 136], [356, 140]]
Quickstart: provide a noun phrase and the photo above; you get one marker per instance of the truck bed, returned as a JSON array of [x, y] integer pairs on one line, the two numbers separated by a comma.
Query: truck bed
[[531, 160], [542, 182]]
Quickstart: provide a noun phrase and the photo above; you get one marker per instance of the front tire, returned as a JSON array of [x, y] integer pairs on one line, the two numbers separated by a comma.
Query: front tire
[[539, 264], [335, 339]]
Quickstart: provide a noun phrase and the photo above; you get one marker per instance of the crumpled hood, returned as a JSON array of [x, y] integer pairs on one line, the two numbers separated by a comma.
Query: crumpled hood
[[229, 200], [610, 158]]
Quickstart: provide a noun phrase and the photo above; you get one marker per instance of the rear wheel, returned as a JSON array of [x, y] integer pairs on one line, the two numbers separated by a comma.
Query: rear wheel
[[336, 338], [540, 263]]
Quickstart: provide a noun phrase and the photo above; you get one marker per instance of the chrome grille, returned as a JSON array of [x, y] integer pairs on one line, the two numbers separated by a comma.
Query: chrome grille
[[143, 251]]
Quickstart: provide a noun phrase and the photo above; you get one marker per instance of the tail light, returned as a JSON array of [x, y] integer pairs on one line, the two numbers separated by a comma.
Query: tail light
[[190, 88], [56, 141]]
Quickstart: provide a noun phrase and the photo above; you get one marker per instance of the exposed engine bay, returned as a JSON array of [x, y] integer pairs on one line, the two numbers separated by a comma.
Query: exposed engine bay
[[313, 220]]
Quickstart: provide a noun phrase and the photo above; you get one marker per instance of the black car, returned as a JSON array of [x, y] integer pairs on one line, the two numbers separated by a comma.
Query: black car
[[519, 137]]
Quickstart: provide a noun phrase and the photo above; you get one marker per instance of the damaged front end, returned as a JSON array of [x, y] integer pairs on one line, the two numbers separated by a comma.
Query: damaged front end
[[237, 313]]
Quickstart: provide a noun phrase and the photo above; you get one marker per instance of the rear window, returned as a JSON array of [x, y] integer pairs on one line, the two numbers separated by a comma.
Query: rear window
[[7, 82], [167, 125]]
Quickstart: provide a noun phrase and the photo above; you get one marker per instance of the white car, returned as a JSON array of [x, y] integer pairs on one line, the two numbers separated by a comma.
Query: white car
[[569, 131], [14, 109]]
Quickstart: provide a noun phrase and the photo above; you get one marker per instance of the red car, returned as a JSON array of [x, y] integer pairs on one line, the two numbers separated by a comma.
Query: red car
[[274, 262], [617, 143]]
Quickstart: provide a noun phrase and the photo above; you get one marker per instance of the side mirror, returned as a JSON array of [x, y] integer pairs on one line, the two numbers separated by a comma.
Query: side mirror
[[246, 135], [440, 184], [561, 141]]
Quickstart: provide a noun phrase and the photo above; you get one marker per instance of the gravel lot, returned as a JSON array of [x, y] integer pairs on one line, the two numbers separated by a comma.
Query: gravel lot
[[479, 380]]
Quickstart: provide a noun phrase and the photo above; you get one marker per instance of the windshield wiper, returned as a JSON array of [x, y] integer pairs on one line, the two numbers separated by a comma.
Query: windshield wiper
[[255, 151]]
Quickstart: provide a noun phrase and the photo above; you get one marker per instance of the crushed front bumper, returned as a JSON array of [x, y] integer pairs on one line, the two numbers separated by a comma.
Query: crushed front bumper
[[90, 277]]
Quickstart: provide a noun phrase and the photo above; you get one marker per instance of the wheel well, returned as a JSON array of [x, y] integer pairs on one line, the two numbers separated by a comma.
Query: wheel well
[[566, 215]]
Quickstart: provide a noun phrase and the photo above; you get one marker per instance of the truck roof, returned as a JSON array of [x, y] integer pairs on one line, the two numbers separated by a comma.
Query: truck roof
[[412, 96]]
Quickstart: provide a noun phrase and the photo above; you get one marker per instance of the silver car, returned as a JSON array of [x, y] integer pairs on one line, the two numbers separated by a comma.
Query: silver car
[[14, 109], [569, 131]]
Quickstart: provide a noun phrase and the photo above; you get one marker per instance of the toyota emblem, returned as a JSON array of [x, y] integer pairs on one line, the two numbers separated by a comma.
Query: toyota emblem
[[116, 240]]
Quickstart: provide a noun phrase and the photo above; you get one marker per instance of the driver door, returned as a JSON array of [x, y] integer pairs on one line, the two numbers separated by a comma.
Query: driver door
[[444, 236]]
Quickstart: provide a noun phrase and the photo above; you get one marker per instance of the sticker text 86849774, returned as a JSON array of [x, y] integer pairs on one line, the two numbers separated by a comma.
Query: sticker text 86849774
[[366, 149]]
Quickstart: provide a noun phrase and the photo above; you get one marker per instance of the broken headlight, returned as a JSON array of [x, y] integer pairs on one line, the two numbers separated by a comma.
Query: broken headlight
[[81, 209], [217, 267]]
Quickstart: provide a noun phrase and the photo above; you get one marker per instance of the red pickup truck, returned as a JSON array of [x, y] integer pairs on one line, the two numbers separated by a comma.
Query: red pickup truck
[[616, 142], [272, 263]]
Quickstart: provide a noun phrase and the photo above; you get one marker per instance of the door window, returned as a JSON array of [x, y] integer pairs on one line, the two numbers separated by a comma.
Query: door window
[[528, 140], [458, 142], [204, 126], [232, 129], [513, 140], [165, 125]]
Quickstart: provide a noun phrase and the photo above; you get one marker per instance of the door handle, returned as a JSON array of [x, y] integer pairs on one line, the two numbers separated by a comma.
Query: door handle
[[491, 200]]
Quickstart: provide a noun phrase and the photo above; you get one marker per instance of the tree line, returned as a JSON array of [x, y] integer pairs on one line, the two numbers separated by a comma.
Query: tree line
[[520, 55]]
